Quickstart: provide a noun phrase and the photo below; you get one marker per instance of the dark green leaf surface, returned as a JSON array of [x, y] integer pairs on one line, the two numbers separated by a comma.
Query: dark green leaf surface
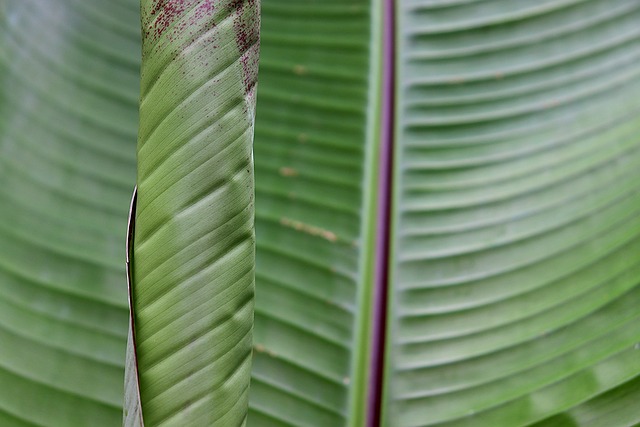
[[515, 289], [69, 72], [194, 246]]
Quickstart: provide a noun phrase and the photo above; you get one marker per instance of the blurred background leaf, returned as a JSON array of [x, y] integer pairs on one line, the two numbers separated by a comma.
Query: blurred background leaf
[[516, 284], [68, 122], [315, 156]]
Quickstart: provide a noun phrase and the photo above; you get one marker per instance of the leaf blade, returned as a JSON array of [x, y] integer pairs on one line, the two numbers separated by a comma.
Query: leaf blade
[[514, 266], [63, 309]]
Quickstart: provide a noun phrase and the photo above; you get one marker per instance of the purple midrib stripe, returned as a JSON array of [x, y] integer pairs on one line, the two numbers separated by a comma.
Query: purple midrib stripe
[[383, 228]]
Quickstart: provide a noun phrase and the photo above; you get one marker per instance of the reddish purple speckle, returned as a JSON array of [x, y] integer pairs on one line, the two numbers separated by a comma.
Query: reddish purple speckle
[[246, 24], [205, 8], [172, 25], [165, 13], [249, 61]]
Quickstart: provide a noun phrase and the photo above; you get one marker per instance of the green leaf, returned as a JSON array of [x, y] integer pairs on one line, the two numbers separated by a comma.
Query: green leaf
[[194, 244], [513, 289], [515, 285], [69, 72], [315, 159]]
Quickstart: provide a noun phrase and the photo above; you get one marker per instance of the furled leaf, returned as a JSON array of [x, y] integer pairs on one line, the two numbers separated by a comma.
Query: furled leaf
[[516, 280], [193, 250]]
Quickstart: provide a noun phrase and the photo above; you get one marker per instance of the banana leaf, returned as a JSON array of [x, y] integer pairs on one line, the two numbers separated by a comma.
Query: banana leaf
[[446, 214], [193, 247]]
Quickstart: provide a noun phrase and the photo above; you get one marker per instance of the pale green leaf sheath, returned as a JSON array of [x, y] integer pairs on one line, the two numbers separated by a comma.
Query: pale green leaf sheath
[[193, 257], [516, 262]]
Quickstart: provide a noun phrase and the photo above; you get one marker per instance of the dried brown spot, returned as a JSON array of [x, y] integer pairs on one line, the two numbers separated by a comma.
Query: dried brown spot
[[285, 171], [552, 103], [300, 70], [309, 229], [302, 138]]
